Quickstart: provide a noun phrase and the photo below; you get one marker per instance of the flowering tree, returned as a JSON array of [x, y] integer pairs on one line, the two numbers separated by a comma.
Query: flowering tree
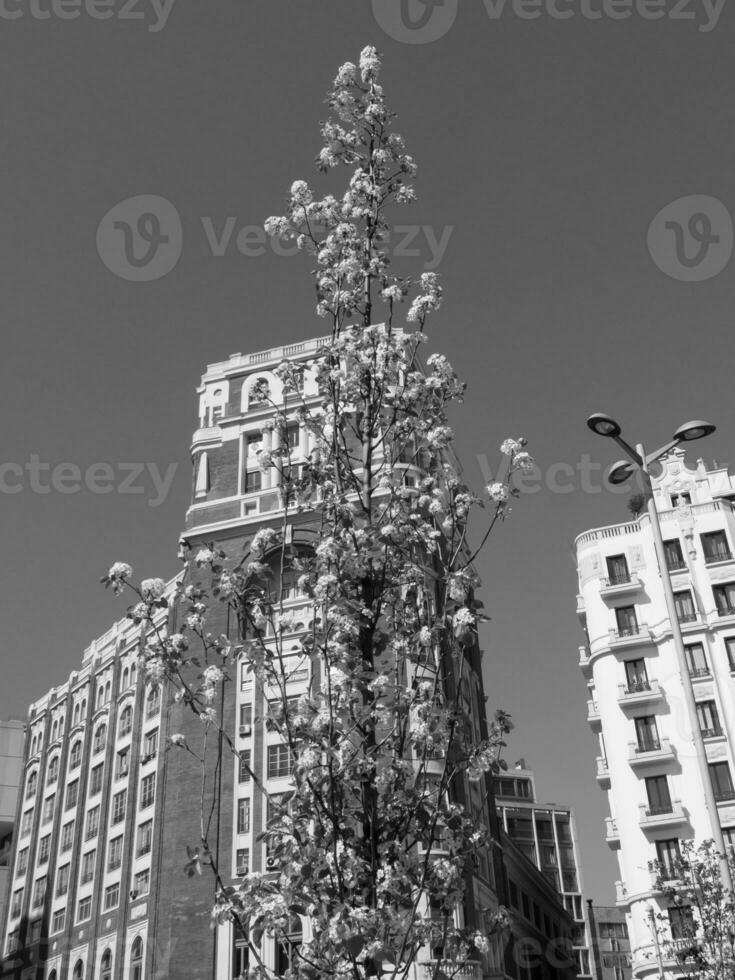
[[699, 929], [375, 842]]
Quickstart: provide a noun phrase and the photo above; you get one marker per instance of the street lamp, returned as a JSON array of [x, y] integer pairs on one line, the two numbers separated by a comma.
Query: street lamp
[[605, 426]]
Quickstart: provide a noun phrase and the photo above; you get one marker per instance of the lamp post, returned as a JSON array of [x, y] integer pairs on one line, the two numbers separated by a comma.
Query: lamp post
[[605, 426]]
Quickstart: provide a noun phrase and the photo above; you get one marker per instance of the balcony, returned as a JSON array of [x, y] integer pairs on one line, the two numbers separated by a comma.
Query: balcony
[[724, 795], [469, 970], [712, 732], [584, 656], [676, 565], [721, 556], [603, 772], [629, 636], [687, 617], [621, 584], [639, 693], [697, 673], [651, 752], [612, 834], [727, 610], [660, 817], [593, 714], [621, 893]]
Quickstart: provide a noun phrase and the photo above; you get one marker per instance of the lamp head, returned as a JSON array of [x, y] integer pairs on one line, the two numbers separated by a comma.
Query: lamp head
[[603, 425], [693, 430], [620, 472]]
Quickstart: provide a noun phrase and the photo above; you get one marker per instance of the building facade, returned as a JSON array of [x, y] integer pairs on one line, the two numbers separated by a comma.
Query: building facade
[[12, 737], [546, 834], [646, 760], [609, 942], [111, 813]]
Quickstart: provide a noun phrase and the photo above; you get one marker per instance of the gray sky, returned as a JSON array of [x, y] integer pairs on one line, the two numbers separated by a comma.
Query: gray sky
[[546, 147]]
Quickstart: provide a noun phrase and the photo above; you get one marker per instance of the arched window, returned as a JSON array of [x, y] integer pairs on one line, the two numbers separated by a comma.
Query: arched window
[[84, 706], [78, 973], [53, 770], [136, 960], [133, 674], [100, 696], [52, 975], [54, 731], [75, 756], [108, 691], [125, 678], [77, 709], [61, 724], [32, 785], [153, 701], [100, 737], [106, 965], [126, 721]]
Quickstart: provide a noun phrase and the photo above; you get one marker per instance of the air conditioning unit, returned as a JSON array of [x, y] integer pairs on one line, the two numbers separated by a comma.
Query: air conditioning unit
[[245, 729], [270, 863]]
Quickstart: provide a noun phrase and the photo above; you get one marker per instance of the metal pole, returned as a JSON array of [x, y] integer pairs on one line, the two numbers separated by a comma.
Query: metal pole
[[686, 682], [657, 944]]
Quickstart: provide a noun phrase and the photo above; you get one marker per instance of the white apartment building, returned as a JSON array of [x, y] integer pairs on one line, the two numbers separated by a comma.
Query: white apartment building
[[646, 762]]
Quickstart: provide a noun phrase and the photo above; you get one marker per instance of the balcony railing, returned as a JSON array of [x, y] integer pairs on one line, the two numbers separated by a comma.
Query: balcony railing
[[727, 610], [469, 970], [723, 795], [676, 565], [699, 672], [650, 751], [662, 814], [626, 632], [639, 692], [724, 555], [648, 745], [711, 732], [612, 834], [687, 617], [622, 578]]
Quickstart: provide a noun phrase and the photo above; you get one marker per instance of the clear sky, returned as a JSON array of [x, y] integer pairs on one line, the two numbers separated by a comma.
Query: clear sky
[[545, 146]]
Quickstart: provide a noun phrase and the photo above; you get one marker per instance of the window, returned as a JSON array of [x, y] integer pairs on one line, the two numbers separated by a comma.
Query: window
[[122, 766], [617, 570], [79, 966], [254, 441], [674, 557], [57, 922], [150, 745], [72, 793], [246, 716], [100, 738], [715, 547], [67, 836], [667, 855], [141, 883], [147, 790], [659, 798], [627, 621], [145, 837], [153, 702], [32, 785], [696, 660], [106, 961], [112, 896], [243, 816], [43, 849], [730, 649], [114, 854], [721, 780], [684, 604], [243, 861], [136, 960], [118, 806], [95, 780], [709, 721], [53, 771], [75, 756], [39, 892], [126, 721], [244, 768], [253, 481], [725, 598], [88, 866], [240, 958], [22, 862], [84, 911], [681, 499], [25, 823], [279, 761], [647, 734], [62, 880], [636, 675], [286, 948], [48, 808], [681, 922], [17, 903], [93, 822]]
